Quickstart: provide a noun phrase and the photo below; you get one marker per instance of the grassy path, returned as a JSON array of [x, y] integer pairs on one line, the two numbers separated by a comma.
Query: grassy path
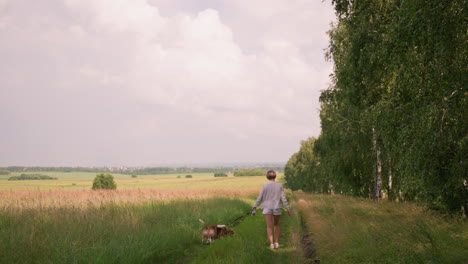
[[250, 244]]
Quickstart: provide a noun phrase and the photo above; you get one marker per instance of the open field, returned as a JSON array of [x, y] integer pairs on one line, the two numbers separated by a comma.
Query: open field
[[84, 181], [154, 219], [149, 219], [133, 226]]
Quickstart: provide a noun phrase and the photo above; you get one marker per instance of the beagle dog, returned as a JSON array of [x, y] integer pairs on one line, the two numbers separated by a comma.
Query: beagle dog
[[212, 232]]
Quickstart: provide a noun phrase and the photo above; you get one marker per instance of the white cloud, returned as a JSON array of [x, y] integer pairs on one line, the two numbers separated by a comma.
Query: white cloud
[[154, 79], [121, 15]]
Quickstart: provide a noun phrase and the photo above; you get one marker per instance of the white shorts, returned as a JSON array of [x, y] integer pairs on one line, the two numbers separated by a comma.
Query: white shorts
[[272, 211]]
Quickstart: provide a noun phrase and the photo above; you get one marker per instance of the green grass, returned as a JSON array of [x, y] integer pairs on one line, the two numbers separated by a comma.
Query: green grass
[[163, 232], [348, 230], [136, 225], [250, 245]]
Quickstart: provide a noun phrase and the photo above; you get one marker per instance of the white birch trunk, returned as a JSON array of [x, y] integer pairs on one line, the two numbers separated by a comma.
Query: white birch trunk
[[390, 178], [378, 168]]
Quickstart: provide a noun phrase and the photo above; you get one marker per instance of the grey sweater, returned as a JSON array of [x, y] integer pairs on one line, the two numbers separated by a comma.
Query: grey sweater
[[271, 195]]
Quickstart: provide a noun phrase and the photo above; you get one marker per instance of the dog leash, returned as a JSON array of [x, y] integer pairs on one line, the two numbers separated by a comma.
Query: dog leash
[[238, 218]]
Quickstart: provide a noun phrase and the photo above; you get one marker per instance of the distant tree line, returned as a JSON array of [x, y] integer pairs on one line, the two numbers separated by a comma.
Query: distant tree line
[[394, 120], [4, 172], [31, 177], [220, 174], [137, 171], [251, 172], [51, 169]]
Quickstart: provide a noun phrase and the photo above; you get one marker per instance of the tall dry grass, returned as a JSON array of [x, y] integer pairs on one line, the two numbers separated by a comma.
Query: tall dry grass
[[34, 199], [109, 226], [134, 226], [355, 230]]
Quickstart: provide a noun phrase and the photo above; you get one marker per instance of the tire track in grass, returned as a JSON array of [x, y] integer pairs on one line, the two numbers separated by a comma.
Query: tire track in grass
[[309, 250]]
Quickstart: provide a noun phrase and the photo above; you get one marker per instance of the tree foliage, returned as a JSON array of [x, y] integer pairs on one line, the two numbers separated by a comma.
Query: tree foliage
[[398, 89], [250, 172], [104, 181], [144, 170], [23, 177], [301, 171]]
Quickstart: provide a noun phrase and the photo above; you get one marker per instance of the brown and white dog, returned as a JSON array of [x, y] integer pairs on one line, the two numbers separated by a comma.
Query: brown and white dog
[[212, 232]]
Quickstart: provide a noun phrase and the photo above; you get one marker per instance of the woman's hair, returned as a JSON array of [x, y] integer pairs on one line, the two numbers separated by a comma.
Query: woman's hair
[[271, 175]]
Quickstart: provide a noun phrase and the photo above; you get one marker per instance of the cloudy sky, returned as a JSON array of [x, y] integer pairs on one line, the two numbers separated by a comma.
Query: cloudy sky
[[159, 82]]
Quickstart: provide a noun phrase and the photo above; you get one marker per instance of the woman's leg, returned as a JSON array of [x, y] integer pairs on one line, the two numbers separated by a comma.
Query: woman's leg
[[276, 226], [269, 222]]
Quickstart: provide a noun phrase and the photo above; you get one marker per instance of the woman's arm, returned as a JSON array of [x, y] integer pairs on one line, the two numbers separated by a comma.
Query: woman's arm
[[259, 198]]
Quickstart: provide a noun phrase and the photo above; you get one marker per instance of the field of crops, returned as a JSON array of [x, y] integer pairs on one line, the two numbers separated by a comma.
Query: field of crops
[[148, 219], [84, 181], [154, 219]]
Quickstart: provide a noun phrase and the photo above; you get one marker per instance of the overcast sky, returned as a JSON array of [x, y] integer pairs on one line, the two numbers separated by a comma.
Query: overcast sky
[[159, 82]]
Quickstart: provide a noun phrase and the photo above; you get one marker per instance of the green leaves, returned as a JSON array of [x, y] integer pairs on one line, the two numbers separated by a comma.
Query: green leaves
[[302, 170], [104, 181], [400, 68]]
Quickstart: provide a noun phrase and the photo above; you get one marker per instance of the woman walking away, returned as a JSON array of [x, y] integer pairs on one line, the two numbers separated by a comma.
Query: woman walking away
[[270, 196]]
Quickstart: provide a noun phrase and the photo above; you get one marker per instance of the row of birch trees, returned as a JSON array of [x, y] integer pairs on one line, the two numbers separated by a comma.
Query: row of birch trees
[[394, 120]]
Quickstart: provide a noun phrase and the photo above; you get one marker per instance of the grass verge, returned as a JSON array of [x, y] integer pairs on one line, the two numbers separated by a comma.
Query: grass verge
[[350, 230]]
